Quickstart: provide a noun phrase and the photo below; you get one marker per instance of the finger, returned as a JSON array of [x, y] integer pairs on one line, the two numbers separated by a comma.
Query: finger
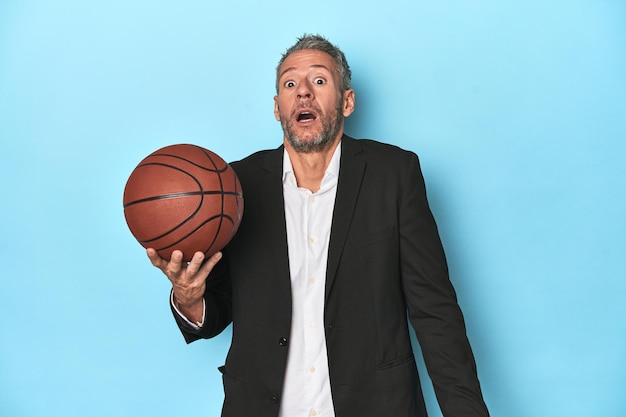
[[211, 262], [155, 259], [195, 264], [175, 266]]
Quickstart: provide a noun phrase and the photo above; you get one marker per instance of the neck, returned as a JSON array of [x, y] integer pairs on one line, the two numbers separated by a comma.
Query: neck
[[309, 168]]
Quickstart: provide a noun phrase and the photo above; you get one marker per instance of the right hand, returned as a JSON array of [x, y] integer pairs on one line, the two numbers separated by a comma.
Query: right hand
[[188, 279]]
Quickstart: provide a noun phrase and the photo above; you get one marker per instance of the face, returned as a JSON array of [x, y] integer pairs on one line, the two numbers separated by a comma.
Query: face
[[309, 104]]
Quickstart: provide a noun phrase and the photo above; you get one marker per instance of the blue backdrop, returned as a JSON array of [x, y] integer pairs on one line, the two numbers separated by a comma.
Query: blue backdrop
[[517, 110]]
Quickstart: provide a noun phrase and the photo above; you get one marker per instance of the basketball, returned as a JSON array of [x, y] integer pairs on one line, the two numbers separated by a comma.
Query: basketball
[[183, 197]]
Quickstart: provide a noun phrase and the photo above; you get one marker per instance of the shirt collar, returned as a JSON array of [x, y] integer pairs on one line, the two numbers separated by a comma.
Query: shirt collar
[[331, 172]]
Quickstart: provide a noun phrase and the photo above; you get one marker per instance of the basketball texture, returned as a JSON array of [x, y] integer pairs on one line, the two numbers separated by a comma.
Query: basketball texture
[[183, 197]]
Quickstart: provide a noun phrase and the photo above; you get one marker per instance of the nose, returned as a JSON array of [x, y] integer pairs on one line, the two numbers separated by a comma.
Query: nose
[[304, 90]]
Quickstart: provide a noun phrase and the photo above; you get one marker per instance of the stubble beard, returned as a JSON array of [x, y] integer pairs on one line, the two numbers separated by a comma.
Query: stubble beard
[[309, 142]]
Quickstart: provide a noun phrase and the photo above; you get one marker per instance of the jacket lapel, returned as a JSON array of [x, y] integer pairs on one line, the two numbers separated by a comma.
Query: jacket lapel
[[351, 172], [274, 210]]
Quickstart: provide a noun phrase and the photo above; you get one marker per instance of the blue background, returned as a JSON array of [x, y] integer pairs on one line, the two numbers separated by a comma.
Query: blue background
[[517, 110]]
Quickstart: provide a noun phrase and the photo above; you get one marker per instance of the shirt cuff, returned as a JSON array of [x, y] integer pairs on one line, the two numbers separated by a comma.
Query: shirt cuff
[[194, 325]]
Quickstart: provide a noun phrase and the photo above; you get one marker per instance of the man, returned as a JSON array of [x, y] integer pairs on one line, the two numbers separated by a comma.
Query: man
[[337, 244]]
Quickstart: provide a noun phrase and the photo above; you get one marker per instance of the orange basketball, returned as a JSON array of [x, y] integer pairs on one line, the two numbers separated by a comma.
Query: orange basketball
[[183, 197]]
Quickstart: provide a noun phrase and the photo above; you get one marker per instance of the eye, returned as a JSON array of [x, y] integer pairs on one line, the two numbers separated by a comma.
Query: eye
[[289, 84], [319, 81]]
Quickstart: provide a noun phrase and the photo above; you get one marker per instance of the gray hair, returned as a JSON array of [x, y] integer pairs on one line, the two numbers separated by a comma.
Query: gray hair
[[320, 43]]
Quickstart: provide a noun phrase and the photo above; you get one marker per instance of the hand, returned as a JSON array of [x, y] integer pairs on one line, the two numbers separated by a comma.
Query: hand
[[188, 280]]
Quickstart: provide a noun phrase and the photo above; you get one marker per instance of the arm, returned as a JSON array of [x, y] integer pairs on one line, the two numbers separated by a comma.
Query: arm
[[433, 308]]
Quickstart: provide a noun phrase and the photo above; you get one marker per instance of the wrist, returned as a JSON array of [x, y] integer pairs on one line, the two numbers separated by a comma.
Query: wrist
[[192, 310]]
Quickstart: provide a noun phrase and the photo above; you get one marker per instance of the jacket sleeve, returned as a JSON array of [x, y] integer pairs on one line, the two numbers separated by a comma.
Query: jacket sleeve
[[432, 304]]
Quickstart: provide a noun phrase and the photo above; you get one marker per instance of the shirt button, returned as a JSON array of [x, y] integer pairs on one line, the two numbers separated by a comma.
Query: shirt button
[[311, 199], [282, 341], [312, 369], [313, 413], [310, 240], [311, 280], [274, 399]]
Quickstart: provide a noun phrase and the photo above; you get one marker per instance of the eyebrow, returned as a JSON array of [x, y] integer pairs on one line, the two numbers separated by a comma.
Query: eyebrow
[[286, 70]]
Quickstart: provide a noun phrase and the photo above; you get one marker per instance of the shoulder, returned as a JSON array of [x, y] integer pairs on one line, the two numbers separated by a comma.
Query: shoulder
[[377, 153]]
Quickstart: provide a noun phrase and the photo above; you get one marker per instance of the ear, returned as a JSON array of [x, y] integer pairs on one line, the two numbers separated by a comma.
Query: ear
[[348, 102], [276, 112]]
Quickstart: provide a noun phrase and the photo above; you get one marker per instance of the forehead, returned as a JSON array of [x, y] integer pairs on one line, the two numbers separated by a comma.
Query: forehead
[[307, 59]]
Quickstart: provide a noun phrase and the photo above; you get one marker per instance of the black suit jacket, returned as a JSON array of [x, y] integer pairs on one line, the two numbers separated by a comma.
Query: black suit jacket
[[385, 259]]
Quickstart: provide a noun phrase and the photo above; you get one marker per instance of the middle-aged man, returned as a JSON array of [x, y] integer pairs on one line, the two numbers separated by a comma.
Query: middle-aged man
[[336, 252]]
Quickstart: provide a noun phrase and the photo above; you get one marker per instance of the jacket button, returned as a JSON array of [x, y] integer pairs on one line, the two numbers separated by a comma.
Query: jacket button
[[274, 399], [282, 341]]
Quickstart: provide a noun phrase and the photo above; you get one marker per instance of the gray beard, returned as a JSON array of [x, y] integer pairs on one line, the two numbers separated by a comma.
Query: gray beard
[[330, 129]]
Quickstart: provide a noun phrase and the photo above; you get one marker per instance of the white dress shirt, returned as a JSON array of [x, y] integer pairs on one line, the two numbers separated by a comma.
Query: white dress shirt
[[308, 217]]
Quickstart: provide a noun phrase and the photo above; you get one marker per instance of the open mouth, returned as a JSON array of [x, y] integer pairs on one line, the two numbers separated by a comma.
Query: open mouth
[[305, 116]]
